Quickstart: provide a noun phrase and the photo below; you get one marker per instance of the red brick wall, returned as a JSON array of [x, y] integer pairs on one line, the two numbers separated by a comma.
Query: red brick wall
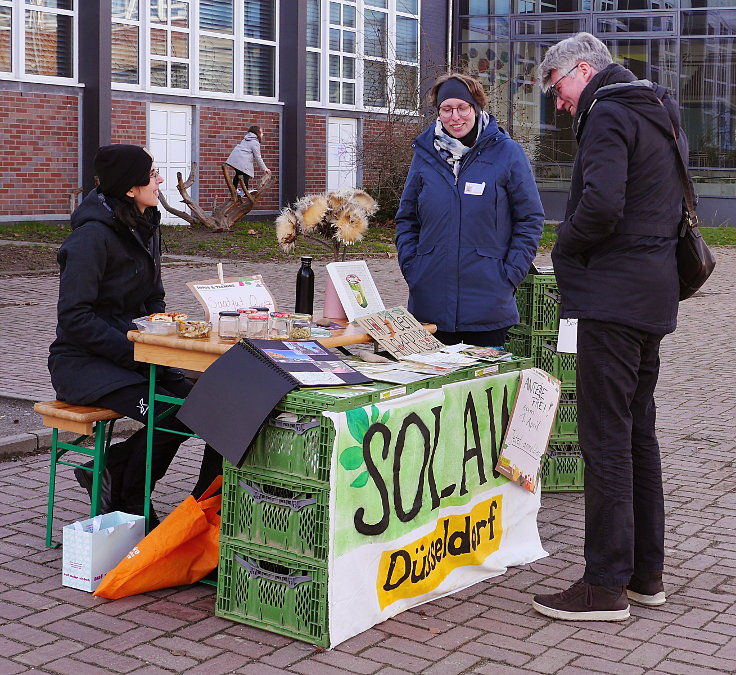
[[129, 122], [220, 130], [315, 179], [39, 138]]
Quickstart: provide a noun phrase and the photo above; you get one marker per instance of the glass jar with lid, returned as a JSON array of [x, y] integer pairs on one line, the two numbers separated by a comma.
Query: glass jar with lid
[[258, 323], [279, 325], [227, 326], [243, 315], [301, 327]]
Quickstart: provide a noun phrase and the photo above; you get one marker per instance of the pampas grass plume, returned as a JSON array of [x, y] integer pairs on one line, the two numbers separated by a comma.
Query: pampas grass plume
[[350, 224], [286, 229], [310, 210], [364, 201]]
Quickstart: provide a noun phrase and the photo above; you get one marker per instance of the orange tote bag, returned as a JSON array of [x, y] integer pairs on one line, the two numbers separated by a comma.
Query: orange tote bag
[[183, 549]]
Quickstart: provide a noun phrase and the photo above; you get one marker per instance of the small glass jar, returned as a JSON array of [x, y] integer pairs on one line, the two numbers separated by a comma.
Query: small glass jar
[[279, 325], [258, 324], [243, 315], [301, 327], [227, 326]]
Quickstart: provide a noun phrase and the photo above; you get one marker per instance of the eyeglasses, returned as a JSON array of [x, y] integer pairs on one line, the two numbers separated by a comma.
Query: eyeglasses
[[154, 173], [553, 88], [463, 110]]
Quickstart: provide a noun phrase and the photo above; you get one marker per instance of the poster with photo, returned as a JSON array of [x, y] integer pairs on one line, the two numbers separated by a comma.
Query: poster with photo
[[355, 288]]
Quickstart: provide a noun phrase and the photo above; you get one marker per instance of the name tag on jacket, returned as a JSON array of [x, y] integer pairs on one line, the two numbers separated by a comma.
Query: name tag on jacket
[[475, 188]]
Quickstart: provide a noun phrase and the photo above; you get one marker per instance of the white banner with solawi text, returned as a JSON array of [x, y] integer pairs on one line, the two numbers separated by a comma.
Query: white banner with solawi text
[[417, 509]]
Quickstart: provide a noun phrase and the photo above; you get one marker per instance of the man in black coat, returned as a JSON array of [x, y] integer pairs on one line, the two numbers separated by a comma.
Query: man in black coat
[[616, 269]]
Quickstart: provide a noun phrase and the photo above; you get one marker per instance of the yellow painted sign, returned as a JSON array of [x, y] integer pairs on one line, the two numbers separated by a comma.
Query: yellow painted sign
[[457, 541]]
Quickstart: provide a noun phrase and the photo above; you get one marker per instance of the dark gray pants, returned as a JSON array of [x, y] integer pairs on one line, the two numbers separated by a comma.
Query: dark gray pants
[[617, 373]]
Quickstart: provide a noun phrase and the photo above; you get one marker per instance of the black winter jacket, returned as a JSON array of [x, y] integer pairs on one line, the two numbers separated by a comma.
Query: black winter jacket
[[615, 251], [109, 276]]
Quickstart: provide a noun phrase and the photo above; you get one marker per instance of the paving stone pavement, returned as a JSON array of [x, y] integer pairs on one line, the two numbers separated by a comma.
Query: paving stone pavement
[[488, 628]]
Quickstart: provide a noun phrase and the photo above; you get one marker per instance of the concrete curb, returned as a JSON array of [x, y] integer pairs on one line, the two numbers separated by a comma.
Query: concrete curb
[[40, 439]]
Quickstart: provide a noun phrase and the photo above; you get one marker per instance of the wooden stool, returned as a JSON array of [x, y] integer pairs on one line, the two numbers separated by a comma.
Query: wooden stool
[[87, 421]]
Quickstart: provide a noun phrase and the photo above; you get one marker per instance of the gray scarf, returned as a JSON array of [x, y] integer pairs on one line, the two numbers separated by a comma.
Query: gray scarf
[[452, 149]]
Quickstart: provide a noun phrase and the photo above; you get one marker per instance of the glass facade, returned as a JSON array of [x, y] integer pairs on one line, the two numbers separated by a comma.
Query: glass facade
[[687, 45]]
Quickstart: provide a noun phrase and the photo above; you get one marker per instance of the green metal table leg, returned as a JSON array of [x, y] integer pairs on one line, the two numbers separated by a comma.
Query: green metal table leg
[[52, 487], [149, 443]]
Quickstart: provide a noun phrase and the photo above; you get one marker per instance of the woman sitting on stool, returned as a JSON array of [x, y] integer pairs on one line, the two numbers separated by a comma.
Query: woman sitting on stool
[[110, 274]]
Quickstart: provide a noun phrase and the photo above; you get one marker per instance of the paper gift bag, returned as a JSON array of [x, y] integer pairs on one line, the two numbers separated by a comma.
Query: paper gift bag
[[91, 548], [183, 549]]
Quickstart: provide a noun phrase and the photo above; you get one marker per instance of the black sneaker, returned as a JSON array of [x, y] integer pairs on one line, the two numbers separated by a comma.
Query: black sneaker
[[585, 602], [646, 588], [84, 478]]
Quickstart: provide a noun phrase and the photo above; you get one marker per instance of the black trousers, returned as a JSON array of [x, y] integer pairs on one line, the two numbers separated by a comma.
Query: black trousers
[[617, 373], [237, 175], [126, 460], [483, 338]]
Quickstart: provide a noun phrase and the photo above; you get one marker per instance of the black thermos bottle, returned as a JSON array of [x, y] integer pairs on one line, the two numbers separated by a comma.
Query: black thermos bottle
[[305, 287]]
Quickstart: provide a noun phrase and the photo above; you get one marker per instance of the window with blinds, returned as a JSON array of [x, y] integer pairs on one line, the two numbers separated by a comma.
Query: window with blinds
[[49, 37], [125, 47], [259, 48], [6, 38]]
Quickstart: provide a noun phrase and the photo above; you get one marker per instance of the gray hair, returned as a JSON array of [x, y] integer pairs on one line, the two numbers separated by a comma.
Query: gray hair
[[567, 53]]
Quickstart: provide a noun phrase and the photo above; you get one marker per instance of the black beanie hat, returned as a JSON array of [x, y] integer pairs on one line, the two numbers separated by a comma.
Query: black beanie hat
[[454, 88], [120, 167]]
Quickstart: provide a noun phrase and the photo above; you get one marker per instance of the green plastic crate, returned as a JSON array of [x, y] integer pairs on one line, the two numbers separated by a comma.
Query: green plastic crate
[[274, 513], [293, 450], [311, 400], [560, 365], [565, 426], [563, 468], [538, 302], [523, 297], [481, 369], [273, 592], [519, 343]]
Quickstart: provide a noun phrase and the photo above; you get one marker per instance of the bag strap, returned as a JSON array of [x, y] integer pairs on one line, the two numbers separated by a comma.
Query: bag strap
[[214, 487], [687, 186]]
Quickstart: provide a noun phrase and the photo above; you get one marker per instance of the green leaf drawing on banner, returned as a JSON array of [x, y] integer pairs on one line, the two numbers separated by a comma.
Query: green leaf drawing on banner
[[374, 414], [352, 457], [360, 481], [357, 423], [385, 417]]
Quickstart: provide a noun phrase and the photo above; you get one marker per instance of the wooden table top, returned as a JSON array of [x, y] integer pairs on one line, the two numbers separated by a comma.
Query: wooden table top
[[199, 354]]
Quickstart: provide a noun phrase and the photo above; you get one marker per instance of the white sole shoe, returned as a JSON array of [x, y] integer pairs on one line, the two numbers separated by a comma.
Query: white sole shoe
[[647, 600], [600, 615]]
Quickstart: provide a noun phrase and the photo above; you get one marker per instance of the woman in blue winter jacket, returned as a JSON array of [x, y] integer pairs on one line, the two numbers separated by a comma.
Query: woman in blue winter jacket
[[469, 221]]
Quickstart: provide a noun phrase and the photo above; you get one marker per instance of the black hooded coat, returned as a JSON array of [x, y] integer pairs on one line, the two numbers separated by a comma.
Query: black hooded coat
[[110, 275], [614, 258]]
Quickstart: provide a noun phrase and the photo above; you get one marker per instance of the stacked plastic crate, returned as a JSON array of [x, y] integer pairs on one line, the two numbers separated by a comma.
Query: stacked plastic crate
[[535, 336], [275, 520], [274, 534]]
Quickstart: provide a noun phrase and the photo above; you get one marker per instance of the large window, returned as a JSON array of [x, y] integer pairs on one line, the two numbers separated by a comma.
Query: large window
[[37, 38], [363, 53], [213, 47], [501, 42]]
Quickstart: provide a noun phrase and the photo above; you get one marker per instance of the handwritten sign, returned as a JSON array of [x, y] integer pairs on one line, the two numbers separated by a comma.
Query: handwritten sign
[[529, 428], [398, 332], [355, 288], [233, 294]]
